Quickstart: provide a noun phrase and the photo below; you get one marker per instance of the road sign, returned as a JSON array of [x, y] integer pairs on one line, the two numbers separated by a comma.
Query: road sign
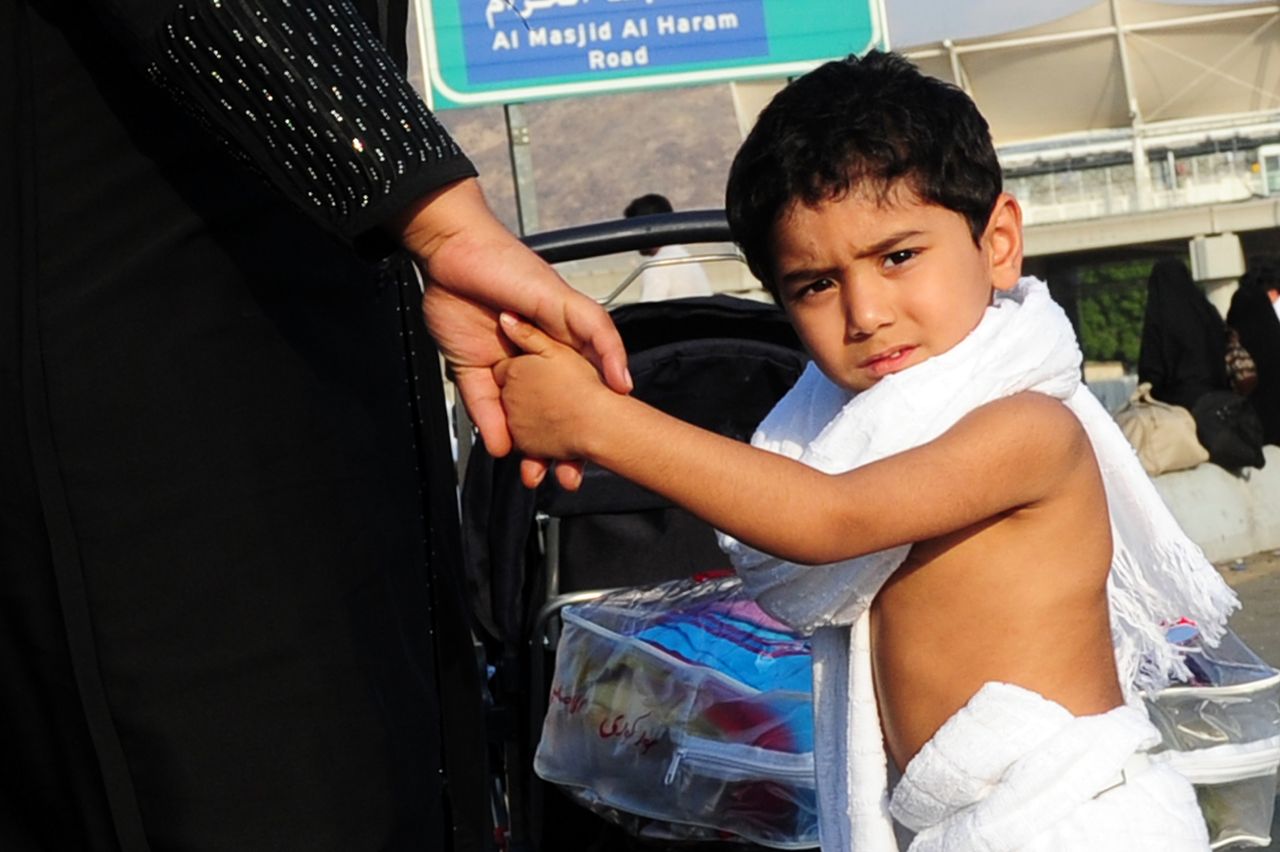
[[507, 51]]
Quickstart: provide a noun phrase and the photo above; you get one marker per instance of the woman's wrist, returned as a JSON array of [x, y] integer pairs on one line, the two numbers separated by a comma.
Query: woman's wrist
[[451, 211]]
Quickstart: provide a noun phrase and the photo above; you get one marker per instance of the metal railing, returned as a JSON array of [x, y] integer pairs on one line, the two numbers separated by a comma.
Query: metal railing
[[1112, 190]]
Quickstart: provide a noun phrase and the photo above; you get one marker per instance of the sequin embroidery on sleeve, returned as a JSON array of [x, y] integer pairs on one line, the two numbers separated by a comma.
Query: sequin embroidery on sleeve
[[308, 95]]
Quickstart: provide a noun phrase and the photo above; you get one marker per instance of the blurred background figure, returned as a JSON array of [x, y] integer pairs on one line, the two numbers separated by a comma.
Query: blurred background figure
[[1255, 315], [1184, 338], [670, 281]]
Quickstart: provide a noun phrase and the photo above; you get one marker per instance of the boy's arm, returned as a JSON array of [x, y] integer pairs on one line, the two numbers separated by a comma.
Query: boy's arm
[[1006, 455]]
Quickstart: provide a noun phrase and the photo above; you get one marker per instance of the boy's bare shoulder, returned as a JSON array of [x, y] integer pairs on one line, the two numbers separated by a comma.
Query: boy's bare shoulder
[[1047, 411], [1027, 447], [1027, 422], [1023, 451], [1032, 439]]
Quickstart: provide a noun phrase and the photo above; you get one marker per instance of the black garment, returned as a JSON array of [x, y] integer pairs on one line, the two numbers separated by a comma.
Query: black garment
[[1184, 339], [215, 611], [1254, 319]]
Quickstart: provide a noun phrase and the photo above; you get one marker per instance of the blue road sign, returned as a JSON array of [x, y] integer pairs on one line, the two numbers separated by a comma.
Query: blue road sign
[[507, 51]]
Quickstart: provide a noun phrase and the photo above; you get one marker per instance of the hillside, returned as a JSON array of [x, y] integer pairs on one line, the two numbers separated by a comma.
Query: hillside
[[593, 155]]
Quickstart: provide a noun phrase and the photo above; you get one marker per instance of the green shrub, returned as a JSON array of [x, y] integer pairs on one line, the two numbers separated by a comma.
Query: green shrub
[[1112, 299]]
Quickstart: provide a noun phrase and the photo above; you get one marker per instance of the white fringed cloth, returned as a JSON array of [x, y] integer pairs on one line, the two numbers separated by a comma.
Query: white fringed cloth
[[1024, 342]]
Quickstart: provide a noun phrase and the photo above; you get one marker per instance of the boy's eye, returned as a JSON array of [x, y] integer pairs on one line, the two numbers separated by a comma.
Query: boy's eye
[[897, 258], [813, 288]]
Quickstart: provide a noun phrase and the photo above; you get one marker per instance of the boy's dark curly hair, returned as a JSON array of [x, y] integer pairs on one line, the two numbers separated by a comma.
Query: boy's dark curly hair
[[870, 124]]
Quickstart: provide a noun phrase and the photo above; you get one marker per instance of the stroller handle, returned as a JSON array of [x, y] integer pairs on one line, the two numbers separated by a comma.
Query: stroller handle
[[623, 235]]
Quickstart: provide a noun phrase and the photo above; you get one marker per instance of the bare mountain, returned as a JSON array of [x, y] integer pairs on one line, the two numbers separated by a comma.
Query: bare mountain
[[593, 155]]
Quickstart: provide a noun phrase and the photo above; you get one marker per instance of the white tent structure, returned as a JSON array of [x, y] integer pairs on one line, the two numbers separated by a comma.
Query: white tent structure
[[1121, 122], [1140, 67], [1140, 109]]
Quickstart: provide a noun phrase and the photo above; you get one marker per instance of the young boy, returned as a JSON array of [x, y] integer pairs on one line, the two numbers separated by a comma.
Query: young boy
[[938, 479]]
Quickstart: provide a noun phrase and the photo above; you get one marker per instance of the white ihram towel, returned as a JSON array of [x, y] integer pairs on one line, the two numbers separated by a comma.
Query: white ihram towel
[[1024, 342], [1012, 770]]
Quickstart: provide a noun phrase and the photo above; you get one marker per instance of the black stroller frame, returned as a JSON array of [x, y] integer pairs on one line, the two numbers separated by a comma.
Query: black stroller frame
[[720, 362]]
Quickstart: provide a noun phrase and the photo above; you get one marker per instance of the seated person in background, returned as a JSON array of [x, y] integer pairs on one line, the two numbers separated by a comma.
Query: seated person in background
[[673, 281], [1255, 316], [1184, 338], [983, 563]]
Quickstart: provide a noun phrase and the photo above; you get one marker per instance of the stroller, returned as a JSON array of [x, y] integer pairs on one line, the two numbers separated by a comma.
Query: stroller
[[719, 362]]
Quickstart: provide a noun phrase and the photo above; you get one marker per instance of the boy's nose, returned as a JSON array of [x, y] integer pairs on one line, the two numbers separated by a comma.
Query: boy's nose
[[867, 308]]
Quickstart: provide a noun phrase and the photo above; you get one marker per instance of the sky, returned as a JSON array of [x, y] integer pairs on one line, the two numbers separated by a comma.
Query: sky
[[921, 21], [914, 22]]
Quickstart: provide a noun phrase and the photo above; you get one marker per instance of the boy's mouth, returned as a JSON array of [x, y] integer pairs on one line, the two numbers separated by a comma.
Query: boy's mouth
[[888, 361]]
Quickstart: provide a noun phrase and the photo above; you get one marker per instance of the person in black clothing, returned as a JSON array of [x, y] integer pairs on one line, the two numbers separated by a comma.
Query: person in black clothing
[[228, 612], [1183, 352], [1254, 318]]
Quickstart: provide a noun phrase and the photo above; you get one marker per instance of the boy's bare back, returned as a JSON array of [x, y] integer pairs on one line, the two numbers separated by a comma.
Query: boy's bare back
[[1019, 598]]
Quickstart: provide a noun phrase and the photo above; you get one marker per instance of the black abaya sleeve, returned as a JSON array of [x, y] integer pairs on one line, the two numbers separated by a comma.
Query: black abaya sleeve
[[305, 92]]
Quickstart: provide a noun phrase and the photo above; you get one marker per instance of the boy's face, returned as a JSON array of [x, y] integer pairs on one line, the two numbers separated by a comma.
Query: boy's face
[[874, 285]]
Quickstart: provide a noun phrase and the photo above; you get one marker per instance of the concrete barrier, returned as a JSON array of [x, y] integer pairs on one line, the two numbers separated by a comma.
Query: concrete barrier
[[1228, 516]]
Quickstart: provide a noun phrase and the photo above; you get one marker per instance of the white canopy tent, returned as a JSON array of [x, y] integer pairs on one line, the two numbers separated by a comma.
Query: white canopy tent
[[1107, 73], [1120, 71]]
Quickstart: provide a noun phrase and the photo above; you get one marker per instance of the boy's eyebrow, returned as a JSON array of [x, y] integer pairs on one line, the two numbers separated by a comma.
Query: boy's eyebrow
[[798, 275], [882, 246], [879, 247]]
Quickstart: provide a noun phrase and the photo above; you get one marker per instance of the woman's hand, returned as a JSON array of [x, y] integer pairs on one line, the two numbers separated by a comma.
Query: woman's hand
[[475, 268]]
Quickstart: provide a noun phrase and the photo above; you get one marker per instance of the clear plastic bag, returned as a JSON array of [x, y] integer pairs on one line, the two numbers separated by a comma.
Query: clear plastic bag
[[683, 711], [1222, 731]]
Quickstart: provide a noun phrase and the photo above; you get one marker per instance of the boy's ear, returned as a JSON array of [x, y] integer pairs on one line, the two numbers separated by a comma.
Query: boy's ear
[[1002, 242]]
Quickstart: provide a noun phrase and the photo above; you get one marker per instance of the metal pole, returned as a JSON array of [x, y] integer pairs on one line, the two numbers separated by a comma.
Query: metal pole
[[522, 169], [1141, 173], [883, 14]]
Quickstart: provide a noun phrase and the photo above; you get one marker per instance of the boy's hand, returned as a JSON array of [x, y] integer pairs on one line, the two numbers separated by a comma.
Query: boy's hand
[[550, 394]]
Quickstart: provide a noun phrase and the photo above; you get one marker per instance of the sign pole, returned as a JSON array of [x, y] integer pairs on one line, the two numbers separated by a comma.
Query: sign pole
[[518, 143]]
